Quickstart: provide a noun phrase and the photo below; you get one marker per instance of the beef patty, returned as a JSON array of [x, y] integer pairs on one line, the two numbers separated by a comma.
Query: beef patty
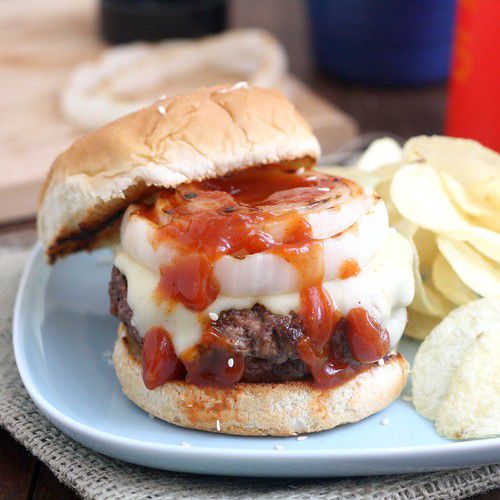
[[268, 341]]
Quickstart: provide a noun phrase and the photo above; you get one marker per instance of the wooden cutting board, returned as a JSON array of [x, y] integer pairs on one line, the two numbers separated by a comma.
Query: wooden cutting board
[[40, 42]]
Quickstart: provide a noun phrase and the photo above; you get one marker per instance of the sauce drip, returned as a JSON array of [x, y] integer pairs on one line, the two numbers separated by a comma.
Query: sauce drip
[[320, 318], [213, 362], [189, 280], [349, 268], [328, 368], [321, 347], [367, 341], [159, 362]]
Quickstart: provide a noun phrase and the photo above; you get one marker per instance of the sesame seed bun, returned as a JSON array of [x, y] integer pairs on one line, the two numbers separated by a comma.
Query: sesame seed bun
[[272, 409], [203, 134]]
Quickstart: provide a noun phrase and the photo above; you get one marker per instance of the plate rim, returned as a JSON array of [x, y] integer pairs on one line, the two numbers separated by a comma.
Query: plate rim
[[79, 428]]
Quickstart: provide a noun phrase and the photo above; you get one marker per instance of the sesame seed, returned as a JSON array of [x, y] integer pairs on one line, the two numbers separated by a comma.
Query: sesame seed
[[301, 438], [230, 362], [108, 356], [300, 171], [240, 85], [162, 110], [279, 447], [381, 362], [185, 445], [384, 421], [213, 316], [312, 178], [236, 86], [325, 189], [163, 96], [217, 425]]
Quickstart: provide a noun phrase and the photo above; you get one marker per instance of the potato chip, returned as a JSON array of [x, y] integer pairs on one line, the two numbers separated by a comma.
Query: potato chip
[[478, 213], [427, 300], [380, 152], [471, 407], [419, 196], [366, 179], [383, 189], [484, 240], [420, 325], [463, 201], [488, 222], [425, 242], [487, 191], [445, 349], [476, 271], [406, 228], [464, 159], [447, 281]]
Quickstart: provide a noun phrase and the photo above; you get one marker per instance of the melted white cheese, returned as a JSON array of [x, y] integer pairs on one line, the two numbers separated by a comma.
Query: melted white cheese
[[384, 288]]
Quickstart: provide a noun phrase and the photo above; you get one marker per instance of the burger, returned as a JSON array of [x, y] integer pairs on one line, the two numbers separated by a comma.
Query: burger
[[255, 295]]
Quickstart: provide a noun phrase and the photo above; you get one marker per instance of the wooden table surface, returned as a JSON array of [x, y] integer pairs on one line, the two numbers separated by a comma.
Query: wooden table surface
[[405, 112]]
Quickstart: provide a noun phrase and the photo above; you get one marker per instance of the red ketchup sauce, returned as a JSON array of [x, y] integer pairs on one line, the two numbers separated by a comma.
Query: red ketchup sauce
[[366, 340], [213, 362], [159, 362], [349, 268], [208, 220]]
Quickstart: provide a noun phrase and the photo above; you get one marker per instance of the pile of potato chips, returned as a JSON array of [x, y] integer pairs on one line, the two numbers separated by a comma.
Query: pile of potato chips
[[443, 194]]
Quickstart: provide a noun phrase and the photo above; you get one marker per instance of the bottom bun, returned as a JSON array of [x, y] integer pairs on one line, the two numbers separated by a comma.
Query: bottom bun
[[273, 409]]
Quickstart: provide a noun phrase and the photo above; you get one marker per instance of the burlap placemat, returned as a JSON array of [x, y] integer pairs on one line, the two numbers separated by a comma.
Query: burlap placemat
[[95, 476]]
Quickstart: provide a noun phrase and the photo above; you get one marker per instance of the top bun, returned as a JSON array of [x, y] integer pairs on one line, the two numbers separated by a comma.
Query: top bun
[[195, 136]]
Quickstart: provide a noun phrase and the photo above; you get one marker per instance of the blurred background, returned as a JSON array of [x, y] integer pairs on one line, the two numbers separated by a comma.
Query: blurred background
[[355, 68]]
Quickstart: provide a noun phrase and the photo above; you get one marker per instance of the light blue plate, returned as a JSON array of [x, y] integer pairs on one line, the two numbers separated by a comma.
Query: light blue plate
[[63, 338]]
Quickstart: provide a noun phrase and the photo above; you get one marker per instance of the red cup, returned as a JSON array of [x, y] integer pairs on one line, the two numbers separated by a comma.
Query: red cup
[[473, 109]]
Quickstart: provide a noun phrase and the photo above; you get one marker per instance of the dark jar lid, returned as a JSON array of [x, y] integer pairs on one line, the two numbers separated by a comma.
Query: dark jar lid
[[128, 20]]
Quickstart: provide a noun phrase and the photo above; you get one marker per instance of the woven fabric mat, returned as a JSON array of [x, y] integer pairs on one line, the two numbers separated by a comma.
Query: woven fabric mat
[[95, 476]]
